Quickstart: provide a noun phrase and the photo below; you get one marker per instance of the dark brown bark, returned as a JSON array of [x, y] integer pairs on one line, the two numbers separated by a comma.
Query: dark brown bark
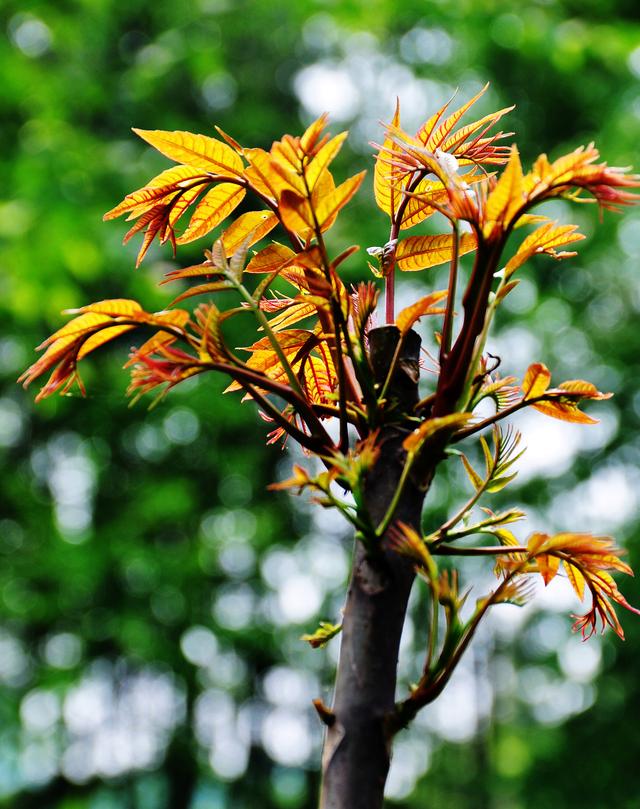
[[357, 747]]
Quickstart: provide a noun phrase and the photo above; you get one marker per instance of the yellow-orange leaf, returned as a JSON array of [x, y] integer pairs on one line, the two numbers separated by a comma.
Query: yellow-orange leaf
[[548, 566], [565, 411], [310, 137], [166, 183], [292, 315], [386, 178], [536, 380], [544, 240], [212, 209], [323, 158], [260, 173], [507, 197], [270, 258], [456, 141], [582, 389], [420, 252], [433, 135], [430, 427], [428, 191], [425, 306], [331, 204], [576, 578], [296, 213], [114, 307], [254, 224], [100, 338], [199, 151]]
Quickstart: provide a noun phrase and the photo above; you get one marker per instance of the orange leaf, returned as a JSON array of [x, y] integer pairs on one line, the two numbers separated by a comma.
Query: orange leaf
[[331, 204], [536, 380], [199, 151], [296, 213], [425, 306], [548, 566], [564, 411], [212, 209], [167, 183], [270, 258]]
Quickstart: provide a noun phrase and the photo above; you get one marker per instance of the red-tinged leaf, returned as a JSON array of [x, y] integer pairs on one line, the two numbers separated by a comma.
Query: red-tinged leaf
[[319, 379], [536, 380], [156, 215], [179, 204], [455, 144], [194, 150], [212, 209], [203, 289], [548, 566], [323, 158], [166, 184], [576, 578], [421, 252], [425, 306], [419, 206], [349, 251], [387, 179], [507, 197], [270, 258], [331, 204], [433, 136], [159, 339], [253, 224], [204, 270], [564, 411]]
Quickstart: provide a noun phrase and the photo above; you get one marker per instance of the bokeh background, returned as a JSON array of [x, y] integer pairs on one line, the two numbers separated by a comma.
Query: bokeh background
[[152, 593]]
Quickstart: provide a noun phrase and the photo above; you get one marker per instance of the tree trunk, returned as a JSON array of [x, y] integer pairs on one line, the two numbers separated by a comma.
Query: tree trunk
[[357, 746]]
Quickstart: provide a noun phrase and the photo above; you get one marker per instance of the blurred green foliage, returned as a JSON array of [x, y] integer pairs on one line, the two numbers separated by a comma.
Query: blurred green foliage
[[151, 593]]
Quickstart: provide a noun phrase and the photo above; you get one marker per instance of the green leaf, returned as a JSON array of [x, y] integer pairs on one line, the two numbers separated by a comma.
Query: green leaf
[[323, 634]]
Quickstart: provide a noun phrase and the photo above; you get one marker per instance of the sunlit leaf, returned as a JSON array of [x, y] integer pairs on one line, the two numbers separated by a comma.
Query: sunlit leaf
[[425, 306], [421, 252], [507, 197], [536, 380], [250, 228], [199, 151], [212, 209]]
